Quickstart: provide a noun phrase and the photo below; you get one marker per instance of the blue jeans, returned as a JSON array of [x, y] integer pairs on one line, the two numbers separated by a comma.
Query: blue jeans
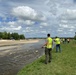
[[58, 48]]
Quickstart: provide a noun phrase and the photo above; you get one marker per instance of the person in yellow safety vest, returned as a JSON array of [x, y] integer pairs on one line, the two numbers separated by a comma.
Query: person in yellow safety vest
[[57, 40], [68, 40], [48, 49], [63, 40]]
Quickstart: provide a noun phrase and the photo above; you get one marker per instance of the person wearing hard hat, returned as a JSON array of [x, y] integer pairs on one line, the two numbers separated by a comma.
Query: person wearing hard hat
[[57, 40], [48, 49]]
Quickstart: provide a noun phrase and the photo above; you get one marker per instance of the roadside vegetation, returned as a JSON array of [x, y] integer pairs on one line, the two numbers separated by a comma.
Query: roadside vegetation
[[8, 35], [62, 63]]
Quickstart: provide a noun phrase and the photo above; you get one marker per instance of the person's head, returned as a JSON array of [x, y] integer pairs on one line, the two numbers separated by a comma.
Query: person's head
[[48, 35], [56, 37]]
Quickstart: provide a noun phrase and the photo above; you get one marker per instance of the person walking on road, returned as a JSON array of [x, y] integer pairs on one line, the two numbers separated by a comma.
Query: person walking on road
[[57, 40], [48, 49]]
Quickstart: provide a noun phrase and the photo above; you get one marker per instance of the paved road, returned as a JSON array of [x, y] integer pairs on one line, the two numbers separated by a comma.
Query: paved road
[[14, 58]]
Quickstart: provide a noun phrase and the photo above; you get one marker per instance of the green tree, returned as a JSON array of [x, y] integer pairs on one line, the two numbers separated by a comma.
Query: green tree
[[15, 36], [1, 35], [9, 36], [5, 35], [22, 36], [75, 37]]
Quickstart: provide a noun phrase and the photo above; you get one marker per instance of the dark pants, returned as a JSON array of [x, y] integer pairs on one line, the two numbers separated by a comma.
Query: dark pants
[[58, 48], [48, 55], [68, 41]]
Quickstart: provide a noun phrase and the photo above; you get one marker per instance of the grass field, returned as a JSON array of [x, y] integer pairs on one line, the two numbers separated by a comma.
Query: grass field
[[62, 63]]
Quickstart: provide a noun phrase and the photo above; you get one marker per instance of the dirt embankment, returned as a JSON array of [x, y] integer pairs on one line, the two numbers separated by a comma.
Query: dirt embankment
[[15, 42]]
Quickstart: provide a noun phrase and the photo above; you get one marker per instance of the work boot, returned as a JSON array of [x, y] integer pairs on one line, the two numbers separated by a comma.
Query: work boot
[[49, 61]]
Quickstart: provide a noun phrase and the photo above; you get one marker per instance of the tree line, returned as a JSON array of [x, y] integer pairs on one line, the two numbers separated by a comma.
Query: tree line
[[75, 37], [8, 35]]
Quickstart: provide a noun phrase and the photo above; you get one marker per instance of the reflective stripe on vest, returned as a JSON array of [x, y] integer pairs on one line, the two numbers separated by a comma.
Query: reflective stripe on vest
[[49, 42], [57, 41]]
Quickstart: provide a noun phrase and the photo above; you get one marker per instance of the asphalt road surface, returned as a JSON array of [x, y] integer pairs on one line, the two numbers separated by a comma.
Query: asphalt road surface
[[14, 58]]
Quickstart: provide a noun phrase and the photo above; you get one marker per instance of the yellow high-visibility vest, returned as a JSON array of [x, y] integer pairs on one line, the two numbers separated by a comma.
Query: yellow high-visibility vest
[[49, 42], [57, 41]]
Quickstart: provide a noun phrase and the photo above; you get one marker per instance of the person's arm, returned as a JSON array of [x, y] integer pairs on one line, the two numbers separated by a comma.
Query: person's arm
[[54, 40], [52, 43], [45, 44]]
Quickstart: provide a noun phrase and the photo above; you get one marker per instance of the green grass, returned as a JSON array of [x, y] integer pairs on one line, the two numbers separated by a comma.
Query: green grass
[[62, 63]]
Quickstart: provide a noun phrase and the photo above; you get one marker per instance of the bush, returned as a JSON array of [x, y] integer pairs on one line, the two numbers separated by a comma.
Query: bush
[[75, 37]]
